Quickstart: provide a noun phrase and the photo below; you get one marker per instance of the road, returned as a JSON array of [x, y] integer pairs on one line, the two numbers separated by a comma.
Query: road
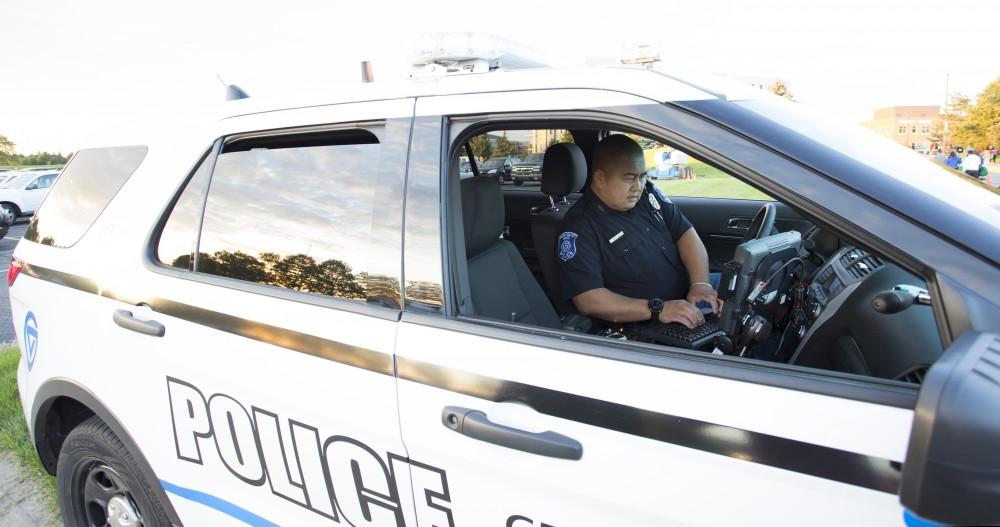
[[6, 249]]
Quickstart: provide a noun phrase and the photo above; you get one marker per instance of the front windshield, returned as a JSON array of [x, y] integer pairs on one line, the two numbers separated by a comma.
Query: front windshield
[[533, 159], [884, 155], [493, 163]]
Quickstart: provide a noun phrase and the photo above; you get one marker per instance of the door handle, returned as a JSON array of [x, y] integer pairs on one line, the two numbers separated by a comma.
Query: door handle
[[146, 327], [475, 424], [739, 223]]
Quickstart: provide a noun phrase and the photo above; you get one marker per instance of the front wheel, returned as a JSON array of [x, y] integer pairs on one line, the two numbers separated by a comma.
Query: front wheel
[[99, 482]]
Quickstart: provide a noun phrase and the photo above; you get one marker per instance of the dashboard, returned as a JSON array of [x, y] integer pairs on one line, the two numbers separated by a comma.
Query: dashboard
[[841, 328]]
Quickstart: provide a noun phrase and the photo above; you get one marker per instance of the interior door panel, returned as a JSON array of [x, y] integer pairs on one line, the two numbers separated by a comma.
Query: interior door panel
[[722, 222]]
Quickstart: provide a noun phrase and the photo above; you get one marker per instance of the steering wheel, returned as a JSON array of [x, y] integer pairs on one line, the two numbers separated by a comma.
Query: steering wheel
[[762, 224]]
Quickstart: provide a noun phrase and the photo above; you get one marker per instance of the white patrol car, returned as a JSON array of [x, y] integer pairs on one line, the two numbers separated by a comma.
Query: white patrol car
[[301, 314]]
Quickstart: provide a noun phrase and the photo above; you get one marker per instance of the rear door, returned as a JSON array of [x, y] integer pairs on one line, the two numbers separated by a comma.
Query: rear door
[[274, 286], [531, 426]]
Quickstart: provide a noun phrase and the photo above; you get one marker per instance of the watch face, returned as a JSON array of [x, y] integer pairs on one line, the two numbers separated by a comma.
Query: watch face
[[656, 304]]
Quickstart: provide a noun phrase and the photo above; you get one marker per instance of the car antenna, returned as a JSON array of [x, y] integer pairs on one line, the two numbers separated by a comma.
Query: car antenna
[[233, 92]]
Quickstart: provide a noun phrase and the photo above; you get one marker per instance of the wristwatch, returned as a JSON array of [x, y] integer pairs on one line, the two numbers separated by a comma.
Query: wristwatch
[[655, 306]]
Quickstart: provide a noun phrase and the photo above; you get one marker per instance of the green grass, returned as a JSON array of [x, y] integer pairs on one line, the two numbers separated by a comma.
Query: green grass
[[710, 182], [14, 432]]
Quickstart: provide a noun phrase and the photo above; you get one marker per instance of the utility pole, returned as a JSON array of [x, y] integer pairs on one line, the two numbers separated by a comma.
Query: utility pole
[[947, 80]]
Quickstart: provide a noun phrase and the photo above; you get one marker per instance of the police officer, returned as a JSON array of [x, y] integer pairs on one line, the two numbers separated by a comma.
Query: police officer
[[626, 253]]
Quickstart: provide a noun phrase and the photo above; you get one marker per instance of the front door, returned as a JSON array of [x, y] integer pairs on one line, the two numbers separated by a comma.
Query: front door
[[530, 426]]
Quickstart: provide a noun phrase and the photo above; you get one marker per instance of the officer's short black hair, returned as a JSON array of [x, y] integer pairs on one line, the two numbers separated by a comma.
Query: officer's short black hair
[[612, 149]]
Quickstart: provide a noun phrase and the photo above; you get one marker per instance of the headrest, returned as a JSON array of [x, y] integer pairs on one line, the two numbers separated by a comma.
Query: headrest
[[482, 213], [564, 170]]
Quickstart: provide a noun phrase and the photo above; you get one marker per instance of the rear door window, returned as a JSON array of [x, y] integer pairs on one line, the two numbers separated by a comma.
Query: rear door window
[[293, 212]]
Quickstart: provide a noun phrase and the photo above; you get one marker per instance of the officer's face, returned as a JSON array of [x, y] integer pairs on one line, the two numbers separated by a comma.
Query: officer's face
[[620, 186]]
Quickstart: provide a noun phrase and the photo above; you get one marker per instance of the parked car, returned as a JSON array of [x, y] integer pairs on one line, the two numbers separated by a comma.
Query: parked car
[[528, 169], [465, 169], [499, 167], [302, 314], [23, 193]]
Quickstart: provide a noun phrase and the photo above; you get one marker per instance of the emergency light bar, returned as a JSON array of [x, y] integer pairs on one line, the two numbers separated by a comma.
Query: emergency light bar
[[441, 54]]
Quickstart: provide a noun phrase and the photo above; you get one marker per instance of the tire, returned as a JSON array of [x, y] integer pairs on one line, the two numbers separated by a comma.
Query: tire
[[12, 210], [96, 473]]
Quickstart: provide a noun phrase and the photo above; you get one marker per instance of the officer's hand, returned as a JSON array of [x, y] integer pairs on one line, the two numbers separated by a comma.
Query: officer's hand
[[681, 311], [705, 293]]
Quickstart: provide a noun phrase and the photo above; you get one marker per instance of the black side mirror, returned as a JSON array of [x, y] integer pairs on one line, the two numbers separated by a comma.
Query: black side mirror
[[952, 470]]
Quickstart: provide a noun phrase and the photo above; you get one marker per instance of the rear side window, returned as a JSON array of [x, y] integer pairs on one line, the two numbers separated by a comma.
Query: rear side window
[[290, 212], [84, 188]]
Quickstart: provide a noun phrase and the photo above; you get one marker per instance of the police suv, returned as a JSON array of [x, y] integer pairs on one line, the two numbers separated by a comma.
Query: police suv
[[303, 314]]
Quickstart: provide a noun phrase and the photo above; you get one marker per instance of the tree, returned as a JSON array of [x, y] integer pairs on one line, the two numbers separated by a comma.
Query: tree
[[6, 151], [505, 147], [954, 114], [566, 137], [481, 147], [981, 126]]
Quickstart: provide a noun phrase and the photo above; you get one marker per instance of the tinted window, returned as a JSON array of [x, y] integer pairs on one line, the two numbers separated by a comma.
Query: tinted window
[[293, 213], [87, 184], [180, 234], [44, 181]]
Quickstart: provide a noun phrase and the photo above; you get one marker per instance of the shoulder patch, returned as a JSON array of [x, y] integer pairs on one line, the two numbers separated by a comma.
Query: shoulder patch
[[659, 193], [567, 246]]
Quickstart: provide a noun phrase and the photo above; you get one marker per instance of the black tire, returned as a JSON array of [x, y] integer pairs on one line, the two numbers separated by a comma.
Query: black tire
[[95, 467], [12, 210]]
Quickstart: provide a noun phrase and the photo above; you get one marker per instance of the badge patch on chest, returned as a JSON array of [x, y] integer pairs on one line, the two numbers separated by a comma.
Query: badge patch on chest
[[659, 193], [567, 246], [653, 201]]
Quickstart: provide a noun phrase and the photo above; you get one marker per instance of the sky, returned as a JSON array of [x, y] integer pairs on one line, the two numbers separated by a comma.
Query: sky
[[79, 74]]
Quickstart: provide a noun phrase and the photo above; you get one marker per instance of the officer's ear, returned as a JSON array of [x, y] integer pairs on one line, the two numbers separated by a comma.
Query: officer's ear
[[599, 177]]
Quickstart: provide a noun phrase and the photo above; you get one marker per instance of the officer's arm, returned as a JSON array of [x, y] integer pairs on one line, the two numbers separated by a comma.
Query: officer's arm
[[694, 256], [607, 305], [695, 259]]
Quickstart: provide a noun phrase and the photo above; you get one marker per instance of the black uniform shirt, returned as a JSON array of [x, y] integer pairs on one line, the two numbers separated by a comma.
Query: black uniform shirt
[[632, 253]]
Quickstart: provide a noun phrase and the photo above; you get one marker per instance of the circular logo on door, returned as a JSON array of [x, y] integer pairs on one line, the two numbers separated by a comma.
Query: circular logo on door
[[31, 338]]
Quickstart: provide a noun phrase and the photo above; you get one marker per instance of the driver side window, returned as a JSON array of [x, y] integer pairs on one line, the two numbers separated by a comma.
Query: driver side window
[[798, 295]]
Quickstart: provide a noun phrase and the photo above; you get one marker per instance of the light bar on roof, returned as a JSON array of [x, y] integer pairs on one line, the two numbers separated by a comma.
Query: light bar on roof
[[440, 54]]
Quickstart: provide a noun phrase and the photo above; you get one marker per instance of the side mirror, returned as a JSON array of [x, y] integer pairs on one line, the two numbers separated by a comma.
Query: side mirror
[[32, 186], [952, 470]]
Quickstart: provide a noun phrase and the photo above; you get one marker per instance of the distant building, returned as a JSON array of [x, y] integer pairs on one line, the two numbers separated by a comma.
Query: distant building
[[539, 140], [911, 126]]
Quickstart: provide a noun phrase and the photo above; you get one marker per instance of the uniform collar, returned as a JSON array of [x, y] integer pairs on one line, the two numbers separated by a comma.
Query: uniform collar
[[604, 209]]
